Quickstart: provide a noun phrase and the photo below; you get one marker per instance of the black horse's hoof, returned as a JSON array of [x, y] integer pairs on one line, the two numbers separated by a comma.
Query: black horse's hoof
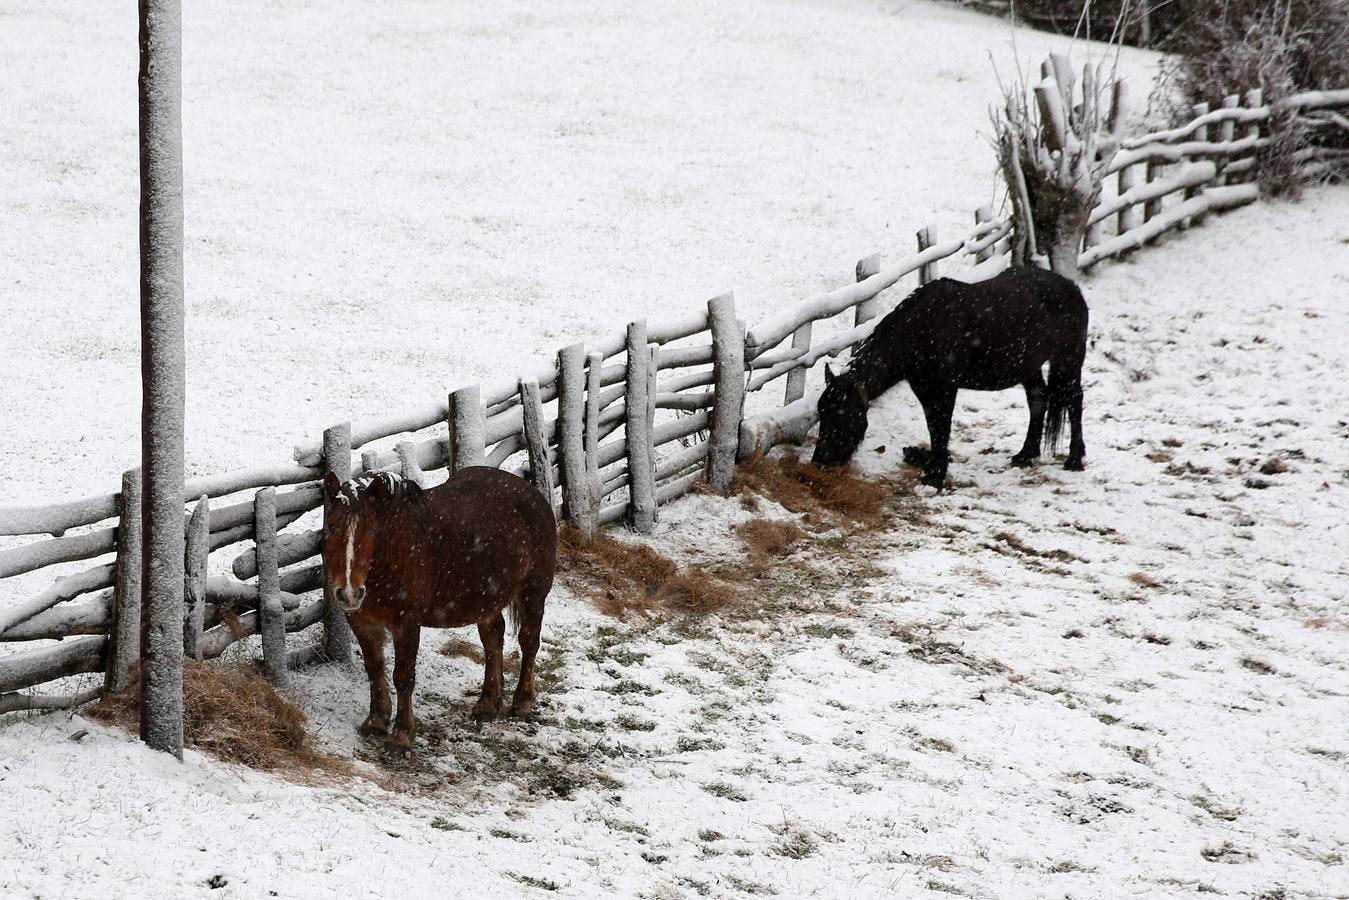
[[1023, 462], [935, 481], [917, 456], [1074, 464]]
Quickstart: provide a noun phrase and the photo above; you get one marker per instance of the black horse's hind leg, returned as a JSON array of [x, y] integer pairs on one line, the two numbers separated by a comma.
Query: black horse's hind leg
[[1037, 401], [939, 404], [1077, 447]]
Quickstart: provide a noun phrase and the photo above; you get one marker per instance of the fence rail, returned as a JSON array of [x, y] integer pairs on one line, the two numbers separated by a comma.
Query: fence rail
[[611, 431]]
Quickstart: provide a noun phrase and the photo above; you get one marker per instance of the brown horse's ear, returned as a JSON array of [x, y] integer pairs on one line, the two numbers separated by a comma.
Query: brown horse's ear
[[829, 375], [381, 486], [331, 485]]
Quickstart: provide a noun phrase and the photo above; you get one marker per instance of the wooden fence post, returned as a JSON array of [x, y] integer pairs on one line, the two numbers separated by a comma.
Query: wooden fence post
[[571, 437], [728, 399], [594, 373], [271, 617], [467, 429], [1227, 132], [865, 268], [336, 628], [1128, 215], [1152, 208], [796, 378], [124, 648], [536, 442], [1201, 134], [408, 466], [640, 415], [985, 214], [927, 236], [194, 565], [1255, 98]]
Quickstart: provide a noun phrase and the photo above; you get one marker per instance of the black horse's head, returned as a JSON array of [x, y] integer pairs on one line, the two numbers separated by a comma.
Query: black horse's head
[[843, 418]]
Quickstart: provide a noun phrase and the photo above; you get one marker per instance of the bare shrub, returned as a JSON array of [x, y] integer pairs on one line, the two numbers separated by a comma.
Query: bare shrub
[[767, 540], [1280, 46]]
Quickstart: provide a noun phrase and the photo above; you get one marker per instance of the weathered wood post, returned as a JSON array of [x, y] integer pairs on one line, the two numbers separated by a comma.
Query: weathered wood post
[[865, 268], [571, 405], [985, 214], [1255, 98], [594, 379], [639, 412], [369, 460], [1201, 135], [163, 382], [468, 431], [124, 648], [796, 378], [1227, 132], [1152, 208], [271, 616], [536, 442], [728, 398], [1128, 215], [408, 466], [194, 588], [927, 236], [336, 628]]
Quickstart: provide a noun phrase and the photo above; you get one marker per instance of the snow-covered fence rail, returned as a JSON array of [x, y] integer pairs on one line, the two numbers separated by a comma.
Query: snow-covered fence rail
[[609, 431]]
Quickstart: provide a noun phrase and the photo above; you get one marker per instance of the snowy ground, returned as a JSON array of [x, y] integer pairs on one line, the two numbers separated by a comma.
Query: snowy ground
[[1126, 682], [389, 200]]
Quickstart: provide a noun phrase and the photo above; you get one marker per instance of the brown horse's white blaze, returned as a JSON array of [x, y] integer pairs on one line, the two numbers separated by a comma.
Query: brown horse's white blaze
[[400, 558]]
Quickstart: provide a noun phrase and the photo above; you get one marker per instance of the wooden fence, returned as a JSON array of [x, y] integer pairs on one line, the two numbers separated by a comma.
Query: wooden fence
[[609, 432]]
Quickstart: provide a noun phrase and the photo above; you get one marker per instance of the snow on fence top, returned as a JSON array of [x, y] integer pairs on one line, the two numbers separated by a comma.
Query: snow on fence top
[[609, 431]]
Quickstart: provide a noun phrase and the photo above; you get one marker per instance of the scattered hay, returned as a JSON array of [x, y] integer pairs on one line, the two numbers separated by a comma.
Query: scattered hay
[[767, 540], [622, 578], [835, 496], [234, 714]]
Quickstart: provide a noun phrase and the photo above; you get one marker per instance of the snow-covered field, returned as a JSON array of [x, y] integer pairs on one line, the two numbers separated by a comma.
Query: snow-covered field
[[389, 200], [1125, 682]]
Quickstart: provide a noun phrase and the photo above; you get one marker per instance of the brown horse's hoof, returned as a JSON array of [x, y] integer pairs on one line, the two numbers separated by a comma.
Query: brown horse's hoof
[[523, 709], [395, 750], [486, 710], [374, 726], [1074, 465]]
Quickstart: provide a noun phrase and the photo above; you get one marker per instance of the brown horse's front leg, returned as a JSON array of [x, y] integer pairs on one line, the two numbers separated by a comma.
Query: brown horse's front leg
[[493, 635], [406, 640], [371, 635]]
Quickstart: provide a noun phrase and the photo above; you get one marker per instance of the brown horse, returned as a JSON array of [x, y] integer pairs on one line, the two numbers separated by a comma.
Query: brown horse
[[400, 558]]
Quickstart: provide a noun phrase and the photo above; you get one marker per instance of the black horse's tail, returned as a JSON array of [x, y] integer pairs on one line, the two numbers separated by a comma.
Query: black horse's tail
[[1064, 389]]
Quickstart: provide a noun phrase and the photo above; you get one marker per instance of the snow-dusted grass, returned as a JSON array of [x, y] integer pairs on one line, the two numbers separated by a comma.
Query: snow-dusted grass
[[1128, 681]]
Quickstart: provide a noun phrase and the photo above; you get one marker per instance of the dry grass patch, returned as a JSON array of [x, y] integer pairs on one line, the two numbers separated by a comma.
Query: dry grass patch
[[622, 578], [837, 496], [234, 714], [767, 540]]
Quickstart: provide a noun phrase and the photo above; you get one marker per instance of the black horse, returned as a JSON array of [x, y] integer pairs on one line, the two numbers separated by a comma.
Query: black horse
[[948, 335]]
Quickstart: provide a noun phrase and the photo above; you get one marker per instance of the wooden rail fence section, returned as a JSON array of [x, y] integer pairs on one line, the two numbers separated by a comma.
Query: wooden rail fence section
[[609, 432]]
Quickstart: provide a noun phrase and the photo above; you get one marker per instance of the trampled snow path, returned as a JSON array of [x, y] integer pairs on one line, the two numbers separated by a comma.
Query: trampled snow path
[[1126, 682]]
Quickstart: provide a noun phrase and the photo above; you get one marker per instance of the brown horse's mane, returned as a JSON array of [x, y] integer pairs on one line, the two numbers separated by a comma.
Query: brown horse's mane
[[398, 489]]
